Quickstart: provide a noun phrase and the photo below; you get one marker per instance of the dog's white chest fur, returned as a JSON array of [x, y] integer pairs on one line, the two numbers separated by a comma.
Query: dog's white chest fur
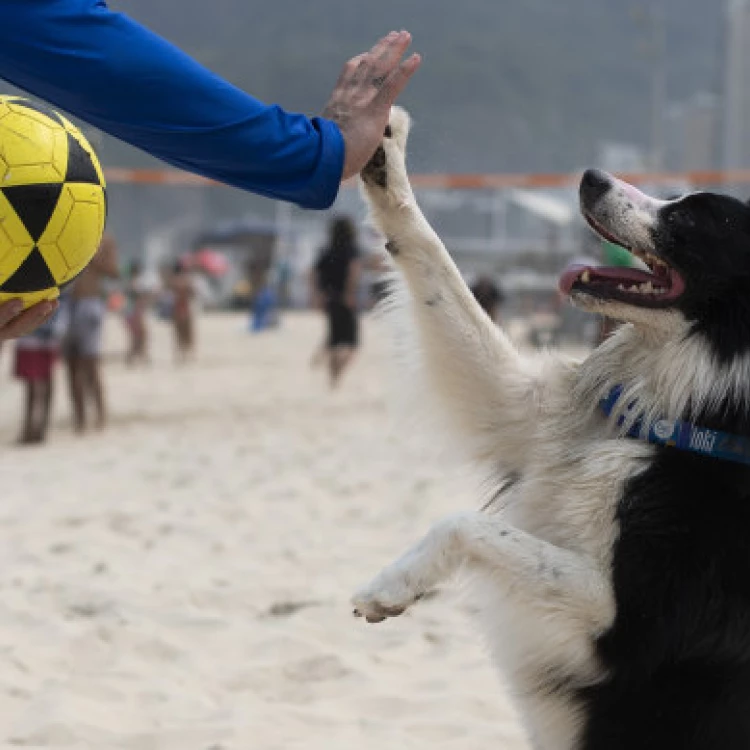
[[566, 497]]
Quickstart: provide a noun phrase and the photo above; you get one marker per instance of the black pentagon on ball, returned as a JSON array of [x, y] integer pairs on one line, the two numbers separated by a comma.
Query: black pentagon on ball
[[34, 205], [31, 276], [80, 164]]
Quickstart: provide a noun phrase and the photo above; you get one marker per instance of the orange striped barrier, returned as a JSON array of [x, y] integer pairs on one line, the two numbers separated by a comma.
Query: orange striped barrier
[[175, 178]]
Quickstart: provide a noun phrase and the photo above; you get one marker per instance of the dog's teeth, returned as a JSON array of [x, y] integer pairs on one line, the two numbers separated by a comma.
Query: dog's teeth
[[647, 288], [585, 277], [622, 288]]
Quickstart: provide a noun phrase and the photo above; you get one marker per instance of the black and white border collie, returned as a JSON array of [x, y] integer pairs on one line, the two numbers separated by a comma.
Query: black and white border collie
[[612, 574]]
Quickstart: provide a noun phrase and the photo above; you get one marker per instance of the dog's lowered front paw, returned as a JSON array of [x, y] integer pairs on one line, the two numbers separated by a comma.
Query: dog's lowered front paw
[[388, 595]]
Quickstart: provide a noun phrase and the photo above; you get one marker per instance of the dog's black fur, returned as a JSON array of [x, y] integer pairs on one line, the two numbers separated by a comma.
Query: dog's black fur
[[707, 237], [679, 650]]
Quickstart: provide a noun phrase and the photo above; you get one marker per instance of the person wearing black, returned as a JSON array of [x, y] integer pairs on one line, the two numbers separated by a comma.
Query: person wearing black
[[335, 280], [489, 296]]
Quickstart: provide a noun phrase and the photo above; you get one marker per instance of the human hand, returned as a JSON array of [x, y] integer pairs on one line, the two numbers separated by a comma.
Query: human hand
[[15, 321], [367, 88]]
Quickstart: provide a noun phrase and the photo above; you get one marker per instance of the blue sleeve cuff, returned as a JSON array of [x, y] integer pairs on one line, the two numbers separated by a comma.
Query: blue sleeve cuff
[[323, 186]]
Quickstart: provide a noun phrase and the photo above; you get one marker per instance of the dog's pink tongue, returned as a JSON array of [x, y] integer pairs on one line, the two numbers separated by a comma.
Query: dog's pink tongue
[[570, 275], [615, 274]]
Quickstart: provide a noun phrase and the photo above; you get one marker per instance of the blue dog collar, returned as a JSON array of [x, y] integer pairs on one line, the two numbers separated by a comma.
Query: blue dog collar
[[682, 435]]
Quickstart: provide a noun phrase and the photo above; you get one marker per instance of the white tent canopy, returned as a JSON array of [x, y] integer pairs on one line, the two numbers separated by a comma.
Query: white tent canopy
[[544, 206]]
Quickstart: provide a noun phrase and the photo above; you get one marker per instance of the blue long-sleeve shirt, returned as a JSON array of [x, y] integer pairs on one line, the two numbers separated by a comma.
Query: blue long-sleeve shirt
[[108, 70]]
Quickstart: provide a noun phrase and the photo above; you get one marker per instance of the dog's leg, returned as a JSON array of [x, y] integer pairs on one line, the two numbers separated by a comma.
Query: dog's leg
[[469, 361], [525, 566]]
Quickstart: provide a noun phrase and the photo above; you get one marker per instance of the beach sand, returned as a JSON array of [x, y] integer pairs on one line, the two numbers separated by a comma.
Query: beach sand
[[182, 580]]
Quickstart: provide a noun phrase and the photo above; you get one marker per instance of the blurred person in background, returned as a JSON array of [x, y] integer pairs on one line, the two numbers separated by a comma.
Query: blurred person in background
[[334, 282], [264, 309], [36, 356], [489, 295], [84, 310], [140, 291], [182, 287]]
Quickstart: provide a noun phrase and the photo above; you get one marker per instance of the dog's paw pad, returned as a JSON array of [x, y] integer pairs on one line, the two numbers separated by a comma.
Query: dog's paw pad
[[376, 170], [374, 612], [388, 595]]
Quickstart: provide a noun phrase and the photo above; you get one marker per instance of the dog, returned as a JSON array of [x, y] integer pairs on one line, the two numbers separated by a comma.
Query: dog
[[612, 571]]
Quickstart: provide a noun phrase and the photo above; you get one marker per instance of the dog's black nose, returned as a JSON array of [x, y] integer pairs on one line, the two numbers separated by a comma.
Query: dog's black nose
[[594, 184]]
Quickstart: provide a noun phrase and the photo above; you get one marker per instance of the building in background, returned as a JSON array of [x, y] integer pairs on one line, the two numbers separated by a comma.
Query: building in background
[[736, 84], [621, 157], [693, 129]]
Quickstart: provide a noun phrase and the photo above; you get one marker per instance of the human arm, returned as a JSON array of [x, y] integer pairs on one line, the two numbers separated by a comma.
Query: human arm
[[111, 72], [106, 69]]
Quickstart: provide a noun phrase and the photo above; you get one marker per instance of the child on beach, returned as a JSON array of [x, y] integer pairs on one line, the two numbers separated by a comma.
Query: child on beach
[[183, 317], [36, 355]]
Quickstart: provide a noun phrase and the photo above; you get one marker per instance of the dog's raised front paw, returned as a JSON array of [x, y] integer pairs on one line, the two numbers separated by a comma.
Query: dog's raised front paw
[[390, 152], [375, 171]]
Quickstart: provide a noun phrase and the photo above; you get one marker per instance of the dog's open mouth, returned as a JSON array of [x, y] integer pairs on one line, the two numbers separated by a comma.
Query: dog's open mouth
[[659, 286]]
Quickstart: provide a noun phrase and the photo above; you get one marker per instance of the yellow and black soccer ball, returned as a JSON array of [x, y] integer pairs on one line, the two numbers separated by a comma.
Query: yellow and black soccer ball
[[52, 201]]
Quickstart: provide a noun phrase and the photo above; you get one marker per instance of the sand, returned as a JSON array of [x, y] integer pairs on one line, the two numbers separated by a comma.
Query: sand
[[182, 580]]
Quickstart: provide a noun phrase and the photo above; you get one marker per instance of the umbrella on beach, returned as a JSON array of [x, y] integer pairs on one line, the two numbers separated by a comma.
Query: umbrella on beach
[[210, 261]]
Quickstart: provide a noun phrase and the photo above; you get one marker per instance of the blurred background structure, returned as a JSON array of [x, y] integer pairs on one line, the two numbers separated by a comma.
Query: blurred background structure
[[510, 90]]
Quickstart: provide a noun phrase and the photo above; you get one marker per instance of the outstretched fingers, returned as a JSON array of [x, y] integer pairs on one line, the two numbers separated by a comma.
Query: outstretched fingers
[[397, 80], [361, 101], [371, 70]]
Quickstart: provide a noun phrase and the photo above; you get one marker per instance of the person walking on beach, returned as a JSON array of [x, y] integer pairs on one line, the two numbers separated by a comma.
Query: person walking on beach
[[36, 356], [85, 309], [334, 285], [140, 292], [183, 317], [489, 295]]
